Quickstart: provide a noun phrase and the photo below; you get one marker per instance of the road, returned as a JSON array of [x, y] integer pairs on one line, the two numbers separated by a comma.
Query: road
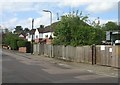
[[17, 68]]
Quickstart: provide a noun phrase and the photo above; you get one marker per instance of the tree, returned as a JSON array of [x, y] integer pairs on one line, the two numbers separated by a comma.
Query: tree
[[11, 40], [18, 30], [14, 41], [110, 26], [26, 30], [73, 30], [6, 30]]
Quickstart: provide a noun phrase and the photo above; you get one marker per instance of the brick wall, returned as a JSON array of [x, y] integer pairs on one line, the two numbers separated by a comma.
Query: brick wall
[[23, 49]]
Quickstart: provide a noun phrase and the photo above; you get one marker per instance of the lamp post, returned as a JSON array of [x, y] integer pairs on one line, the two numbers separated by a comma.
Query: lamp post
[[32, 37], [50, 27], [50, 19]]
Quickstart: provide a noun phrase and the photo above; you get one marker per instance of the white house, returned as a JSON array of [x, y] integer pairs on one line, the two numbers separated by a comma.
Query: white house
[[47, 34], [41, 33], [30, 34]]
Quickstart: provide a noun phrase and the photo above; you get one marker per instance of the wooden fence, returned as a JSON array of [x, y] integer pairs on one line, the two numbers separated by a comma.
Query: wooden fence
[[108, 56], [101, 54]]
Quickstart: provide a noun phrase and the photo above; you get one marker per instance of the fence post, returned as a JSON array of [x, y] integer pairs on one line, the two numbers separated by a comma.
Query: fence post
[[52, 50], [93, 54]]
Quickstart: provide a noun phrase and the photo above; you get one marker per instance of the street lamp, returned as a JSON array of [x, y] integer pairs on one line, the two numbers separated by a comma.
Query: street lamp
[[50, 19], [50, 27]]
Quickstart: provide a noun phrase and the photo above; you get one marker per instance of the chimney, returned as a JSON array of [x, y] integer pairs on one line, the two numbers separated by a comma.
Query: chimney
[[41, 26]]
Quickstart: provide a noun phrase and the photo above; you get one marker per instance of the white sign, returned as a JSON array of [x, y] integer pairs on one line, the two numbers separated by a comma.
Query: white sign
[[102, 47], [110, 49]]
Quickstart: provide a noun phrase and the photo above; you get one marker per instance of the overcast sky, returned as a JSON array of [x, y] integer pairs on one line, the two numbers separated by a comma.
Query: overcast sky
[[20, 12]]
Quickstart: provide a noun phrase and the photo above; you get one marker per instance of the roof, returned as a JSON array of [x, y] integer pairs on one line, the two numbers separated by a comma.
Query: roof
[[114, 31], [21, 35], [32, 31], [117, 32], [47, 28], [40, 30]]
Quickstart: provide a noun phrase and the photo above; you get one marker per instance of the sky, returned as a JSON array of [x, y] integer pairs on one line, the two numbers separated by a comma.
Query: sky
[[21, 12]]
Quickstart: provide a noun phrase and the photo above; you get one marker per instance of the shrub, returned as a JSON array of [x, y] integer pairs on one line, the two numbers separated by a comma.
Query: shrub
[[21, 43], [13, 44]]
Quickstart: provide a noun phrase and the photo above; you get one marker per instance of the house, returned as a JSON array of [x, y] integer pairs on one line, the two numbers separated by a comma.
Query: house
[[31, 35], [42, 34], [22, 36], [39, 33], [45, 33]]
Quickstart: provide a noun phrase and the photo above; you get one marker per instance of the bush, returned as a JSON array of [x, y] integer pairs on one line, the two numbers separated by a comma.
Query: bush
[[21, 43], [13, 44]]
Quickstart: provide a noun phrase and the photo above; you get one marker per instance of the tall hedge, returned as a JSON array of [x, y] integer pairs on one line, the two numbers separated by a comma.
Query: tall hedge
[[13, 41], [21, 43], [13, 44]]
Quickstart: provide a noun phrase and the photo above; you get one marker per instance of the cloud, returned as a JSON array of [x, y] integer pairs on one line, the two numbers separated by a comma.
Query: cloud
[[72, 3], [29, 0], [16, 22], [43, 20], [29, 5], [16, 6], [102, 21], [100, 7], [91, 6]]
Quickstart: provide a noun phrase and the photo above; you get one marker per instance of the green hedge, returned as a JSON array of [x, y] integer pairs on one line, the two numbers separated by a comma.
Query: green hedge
[[13, 44], [21, 43]]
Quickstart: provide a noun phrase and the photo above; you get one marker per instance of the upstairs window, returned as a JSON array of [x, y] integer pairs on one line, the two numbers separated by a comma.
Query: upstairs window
[[36, 36]]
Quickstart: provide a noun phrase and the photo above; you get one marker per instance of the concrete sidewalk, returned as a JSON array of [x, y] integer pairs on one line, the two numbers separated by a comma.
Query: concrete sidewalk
[[101, 70]]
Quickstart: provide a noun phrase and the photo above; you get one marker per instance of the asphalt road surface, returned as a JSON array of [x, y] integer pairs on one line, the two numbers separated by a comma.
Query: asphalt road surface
[[20, 69]]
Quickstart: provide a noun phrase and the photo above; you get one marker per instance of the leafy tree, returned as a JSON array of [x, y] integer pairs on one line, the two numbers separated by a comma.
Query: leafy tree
[[73, 30], [7, 38], [11, 40], [6, 30], [26, 30], [18, 30], [110, 26]]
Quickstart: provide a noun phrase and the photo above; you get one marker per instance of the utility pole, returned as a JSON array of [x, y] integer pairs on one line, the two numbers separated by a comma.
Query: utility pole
[[32, 37], [57, 16]]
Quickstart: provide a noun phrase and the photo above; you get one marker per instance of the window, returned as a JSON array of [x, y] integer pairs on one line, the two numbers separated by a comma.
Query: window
[[28, 36], [36, 36], [46, 35]]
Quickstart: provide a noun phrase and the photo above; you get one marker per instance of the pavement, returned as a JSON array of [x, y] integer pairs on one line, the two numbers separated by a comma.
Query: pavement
[[97, 69]]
